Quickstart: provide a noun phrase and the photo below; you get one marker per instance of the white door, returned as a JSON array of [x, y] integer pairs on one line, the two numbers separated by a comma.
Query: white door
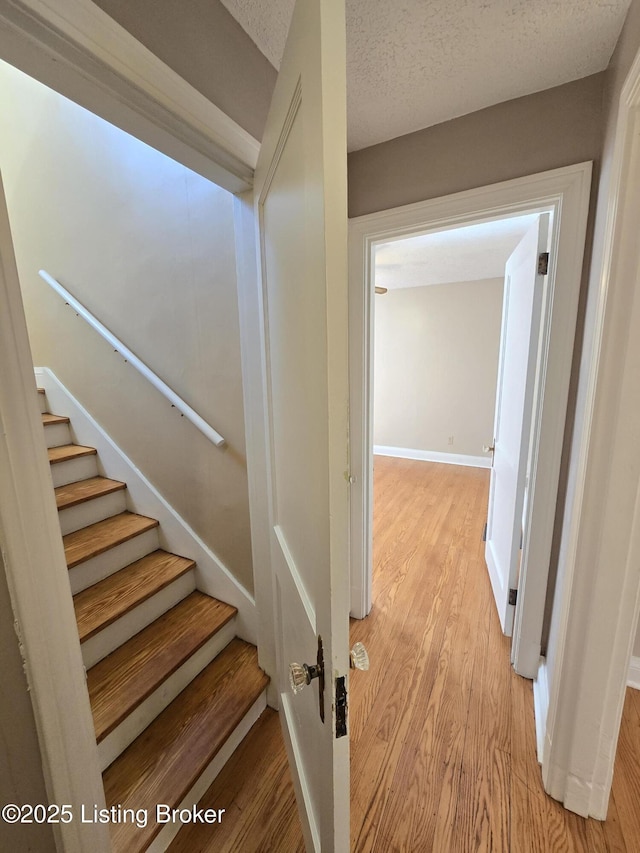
[[522, 304], [301, 209]]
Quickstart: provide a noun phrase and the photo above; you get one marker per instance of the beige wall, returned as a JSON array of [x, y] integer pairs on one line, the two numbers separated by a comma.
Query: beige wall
[[148, 247], [547, 130], [206, 46], [436, 361], [21, 776]]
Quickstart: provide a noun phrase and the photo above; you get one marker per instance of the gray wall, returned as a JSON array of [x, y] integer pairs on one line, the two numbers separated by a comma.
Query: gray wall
[[205, 45], [21, 776], [543, 131]]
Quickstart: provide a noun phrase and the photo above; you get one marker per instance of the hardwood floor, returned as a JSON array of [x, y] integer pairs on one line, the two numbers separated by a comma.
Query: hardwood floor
[[442, 731]]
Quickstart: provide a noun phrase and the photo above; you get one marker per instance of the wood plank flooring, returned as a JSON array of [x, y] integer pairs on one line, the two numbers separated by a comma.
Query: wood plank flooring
[[443, 752]]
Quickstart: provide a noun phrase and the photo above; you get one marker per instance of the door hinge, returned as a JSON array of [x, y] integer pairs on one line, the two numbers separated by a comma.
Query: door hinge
[[513, 596], [543, 263], [484, 532], [341, 707]]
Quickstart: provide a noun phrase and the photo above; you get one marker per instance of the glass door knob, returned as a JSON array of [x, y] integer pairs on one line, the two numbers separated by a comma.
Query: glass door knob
[[359, 657]]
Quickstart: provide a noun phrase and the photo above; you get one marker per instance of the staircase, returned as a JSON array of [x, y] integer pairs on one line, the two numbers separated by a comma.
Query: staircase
[[171, 687]]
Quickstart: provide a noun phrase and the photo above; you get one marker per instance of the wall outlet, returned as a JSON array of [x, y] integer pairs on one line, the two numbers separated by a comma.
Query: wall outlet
[[450, 440]]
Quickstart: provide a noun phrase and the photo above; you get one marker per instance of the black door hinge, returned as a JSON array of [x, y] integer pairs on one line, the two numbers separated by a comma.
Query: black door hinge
[[543, 263], [513, 596], [484, 532], [341, 707]]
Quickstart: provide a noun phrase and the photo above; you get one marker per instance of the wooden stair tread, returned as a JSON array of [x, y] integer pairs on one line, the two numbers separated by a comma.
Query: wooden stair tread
[[163, 763], [69, 451], [85, 490], [125, 678], [104, 602], [49, 420], [97, 538]]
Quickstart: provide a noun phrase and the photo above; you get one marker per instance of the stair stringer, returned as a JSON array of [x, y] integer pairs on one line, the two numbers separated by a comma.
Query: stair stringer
[[176, 536]]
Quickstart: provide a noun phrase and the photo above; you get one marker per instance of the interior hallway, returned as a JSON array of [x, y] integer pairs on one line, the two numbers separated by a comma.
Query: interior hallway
[[442, 729]]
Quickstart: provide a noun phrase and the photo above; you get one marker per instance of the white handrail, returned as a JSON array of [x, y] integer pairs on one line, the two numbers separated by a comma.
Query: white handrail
[[140, 366]]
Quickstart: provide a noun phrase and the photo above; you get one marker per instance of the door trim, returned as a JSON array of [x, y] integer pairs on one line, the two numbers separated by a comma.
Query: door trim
[[597, 605], [37, 577], [564, 192], [74, 47]]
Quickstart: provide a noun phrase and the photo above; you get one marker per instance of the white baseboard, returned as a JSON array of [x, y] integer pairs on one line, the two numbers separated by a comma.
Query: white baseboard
[[541, 706], [633, 679], [433, 456], [212, 576]]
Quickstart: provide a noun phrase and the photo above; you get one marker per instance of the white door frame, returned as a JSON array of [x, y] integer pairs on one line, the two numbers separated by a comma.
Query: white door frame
[[37, 577], [597, 603], [564, 192], [73, 47]]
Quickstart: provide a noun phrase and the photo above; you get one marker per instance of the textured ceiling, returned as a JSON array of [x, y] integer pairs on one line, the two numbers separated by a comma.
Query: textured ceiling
[[415, 63], [472, 253]]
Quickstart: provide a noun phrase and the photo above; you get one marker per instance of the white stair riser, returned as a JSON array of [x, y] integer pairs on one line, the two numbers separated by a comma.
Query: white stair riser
[[138, 720], [111, 561], [42, 399], [55, 435], [72, 470], [114, 635], [170, 830], [96, 509]]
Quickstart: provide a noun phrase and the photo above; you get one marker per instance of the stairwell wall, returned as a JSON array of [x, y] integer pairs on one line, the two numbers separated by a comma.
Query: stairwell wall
[[148, 247]]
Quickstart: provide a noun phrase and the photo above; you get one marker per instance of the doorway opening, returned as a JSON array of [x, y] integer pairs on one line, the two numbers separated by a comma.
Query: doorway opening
[[456, 328], [564, 194]]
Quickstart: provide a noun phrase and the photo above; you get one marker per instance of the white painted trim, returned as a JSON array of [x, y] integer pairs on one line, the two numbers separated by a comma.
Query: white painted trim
[[633, 678], [89, 512], [432, 456], [596, 607], [57, 435], [78, 50], [252, 347], [541, 706], [212, 576], [44, 617], [131, 358], [72, 470], [564, 192]]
